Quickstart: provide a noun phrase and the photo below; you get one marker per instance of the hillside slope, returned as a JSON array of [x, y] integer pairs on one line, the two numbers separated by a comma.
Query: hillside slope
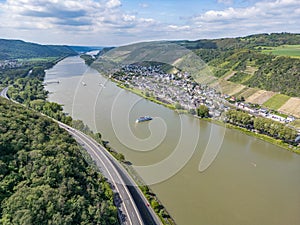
[[248, 42], [17, 49], [44, 178], [262, 68]]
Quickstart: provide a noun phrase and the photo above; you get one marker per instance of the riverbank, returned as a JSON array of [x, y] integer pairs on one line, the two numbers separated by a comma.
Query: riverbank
[[155, 203], [55, 111], [243, 160], [263, 137], [157, 206], [142, 94]]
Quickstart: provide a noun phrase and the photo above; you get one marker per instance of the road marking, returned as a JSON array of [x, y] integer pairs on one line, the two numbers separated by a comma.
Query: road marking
[[117, 173], [105, 168], [85, 139], [120, 178]]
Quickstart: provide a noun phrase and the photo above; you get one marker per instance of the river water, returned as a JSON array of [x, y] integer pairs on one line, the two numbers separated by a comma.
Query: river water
[[248, 182]]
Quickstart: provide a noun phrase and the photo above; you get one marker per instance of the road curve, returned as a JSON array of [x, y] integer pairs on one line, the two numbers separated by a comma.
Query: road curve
[[3, 93], [134, 207]]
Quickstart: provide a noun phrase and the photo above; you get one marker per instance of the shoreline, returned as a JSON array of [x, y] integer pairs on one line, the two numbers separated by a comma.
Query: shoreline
[[263, 137], [276, 142], [165, 217], [166, 221], [150, 195]]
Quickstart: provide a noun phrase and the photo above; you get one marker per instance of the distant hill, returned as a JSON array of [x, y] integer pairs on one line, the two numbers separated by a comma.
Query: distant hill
[[265, 61], [254, 68], [17, 49], [262, 68], [251, 41], [81, 49]]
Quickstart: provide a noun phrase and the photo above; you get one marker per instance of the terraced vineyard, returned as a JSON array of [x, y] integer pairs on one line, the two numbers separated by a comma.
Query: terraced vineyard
[[263, 69]]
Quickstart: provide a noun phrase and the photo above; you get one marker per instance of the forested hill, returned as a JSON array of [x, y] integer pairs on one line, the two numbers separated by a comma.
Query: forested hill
[[266, 61], [251, 41], [17, 49], [261, 61], [44, 179]]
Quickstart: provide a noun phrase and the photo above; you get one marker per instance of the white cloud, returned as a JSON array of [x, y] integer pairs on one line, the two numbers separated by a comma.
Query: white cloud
[[113, 3], [266, 16], [129, 18], [76, 15], [46, 14], [77, 21], [179, 28], [271, 9], [105, 21]]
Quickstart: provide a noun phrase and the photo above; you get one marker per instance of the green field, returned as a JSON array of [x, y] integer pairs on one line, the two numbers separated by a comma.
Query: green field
[[296, 123], [41, 59], [283, 50], [276, 101]]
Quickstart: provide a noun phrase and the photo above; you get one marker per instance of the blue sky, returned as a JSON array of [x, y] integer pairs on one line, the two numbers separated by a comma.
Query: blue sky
[[118, 22]]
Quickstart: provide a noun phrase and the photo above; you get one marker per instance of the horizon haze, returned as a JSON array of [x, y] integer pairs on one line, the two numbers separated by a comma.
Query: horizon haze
[[119, 22]]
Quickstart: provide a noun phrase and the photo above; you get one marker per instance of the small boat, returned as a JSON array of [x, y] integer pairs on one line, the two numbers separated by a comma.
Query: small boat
[[84, 84], [143, 119]]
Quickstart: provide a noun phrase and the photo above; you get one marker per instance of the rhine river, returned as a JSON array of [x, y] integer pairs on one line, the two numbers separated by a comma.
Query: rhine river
[[249, 182]]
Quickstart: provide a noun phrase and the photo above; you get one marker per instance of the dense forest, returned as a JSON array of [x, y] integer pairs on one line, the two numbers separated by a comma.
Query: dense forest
[[29, 90], [17, 49], [281, 74], [24, 69], [273, 73], [43, 177], [44, 174]]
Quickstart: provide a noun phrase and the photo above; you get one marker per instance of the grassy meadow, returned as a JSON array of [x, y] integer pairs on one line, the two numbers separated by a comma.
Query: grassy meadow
[[283, 50], [276, 101]]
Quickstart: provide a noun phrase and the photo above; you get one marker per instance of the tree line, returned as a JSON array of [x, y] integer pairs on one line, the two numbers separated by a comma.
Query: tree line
[[43, 176], [262, 125], [30, 92], [66, 200], [17, 49]]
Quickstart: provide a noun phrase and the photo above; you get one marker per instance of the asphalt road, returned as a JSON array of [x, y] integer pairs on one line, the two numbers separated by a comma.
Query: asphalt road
[[3, 93], [134, 207]]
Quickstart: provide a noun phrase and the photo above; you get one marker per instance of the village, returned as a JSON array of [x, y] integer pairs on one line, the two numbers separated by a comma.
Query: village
[[182, 91], [5, 64]]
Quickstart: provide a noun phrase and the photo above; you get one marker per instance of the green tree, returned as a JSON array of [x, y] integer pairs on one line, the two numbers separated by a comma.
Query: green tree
[[203, 111], [178, 106], [44, 178]]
